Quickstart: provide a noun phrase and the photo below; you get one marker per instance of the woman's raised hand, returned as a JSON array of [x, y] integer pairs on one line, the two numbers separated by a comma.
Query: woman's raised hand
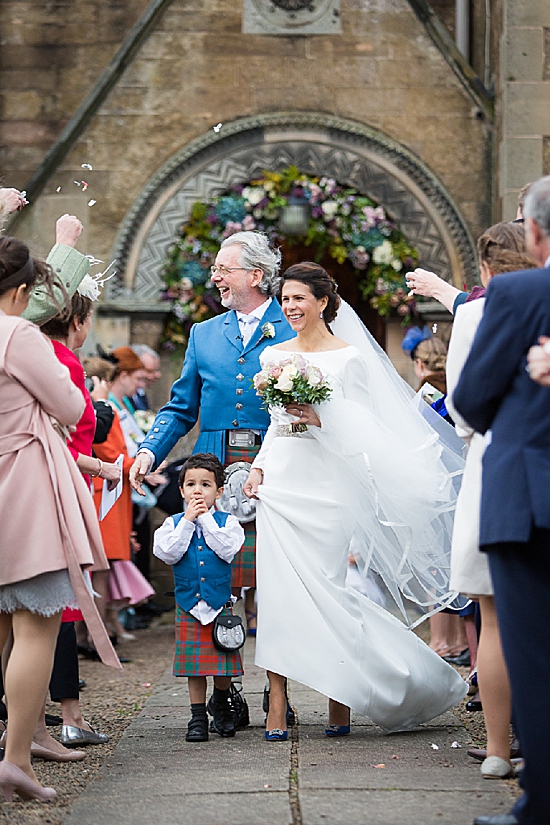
[[304, 413], [255, 478]]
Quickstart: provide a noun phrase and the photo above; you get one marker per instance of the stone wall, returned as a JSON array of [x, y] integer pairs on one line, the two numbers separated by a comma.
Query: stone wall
[[198, 69]]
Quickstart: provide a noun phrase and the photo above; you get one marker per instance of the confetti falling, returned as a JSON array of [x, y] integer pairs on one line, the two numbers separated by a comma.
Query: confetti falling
[[455, 745], [77, 182], [91, 202], [434, 328], [86, 166], [435, 747], [217, 127], [84, 185]]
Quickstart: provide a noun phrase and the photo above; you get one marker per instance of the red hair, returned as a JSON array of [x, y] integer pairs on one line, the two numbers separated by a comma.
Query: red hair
[[126, 361]]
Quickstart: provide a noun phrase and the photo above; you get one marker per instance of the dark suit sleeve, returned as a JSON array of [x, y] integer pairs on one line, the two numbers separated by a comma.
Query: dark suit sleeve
[[495, 358], [104, 414], [177, 417]]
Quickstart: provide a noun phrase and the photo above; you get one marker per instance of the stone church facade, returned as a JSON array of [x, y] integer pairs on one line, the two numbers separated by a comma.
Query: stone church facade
[[375, 93]]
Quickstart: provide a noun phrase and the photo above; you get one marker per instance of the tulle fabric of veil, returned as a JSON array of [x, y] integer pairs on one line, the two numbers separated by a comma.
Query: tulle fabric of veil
[[401, 466]]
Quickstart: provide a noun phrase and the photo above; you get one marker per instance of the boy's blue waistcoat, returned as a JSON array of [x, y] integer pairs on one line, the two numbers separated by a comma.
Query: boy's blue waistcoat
[[200, 573], [216, 379]]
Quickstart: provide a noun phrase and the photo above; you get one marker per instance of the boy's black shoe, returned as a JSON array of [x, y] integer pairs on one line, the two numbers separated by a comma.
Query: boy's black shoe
[[240, 706], [197, 729], [222, 711]]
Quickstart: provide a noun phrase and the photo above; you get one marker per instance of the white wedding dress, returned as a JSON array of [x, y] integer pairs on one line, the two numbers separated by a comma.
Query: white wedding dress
[[320, 493]]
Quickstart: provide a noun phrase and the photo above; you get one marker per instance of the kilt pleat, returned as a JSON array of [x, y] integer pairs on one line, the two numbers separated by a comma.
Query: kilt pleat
[[195, 653]]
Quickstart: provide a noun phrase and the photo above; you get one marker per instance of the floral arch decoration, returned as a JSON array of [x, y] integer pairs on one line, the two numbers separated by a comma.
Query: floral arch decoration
[[337, 220]]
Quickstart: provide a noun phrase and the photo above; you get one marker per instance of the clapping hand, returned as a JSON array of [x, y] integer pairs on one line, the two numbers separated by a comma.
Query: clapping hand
[[196, 507]]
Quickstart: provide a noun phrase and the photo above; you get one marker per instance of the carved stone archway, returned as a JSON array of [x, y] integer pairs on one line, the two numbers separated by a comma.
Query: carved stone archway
[[318, 144]]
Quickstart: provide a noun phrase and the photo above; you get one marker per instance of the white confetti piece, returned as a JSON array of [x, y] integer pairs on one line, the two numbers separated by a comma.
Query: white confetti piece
[[455, 745], [58, 189], [77, 182], [91, 202], [435, 747], [434, 328], [217, 127], [86, 166]]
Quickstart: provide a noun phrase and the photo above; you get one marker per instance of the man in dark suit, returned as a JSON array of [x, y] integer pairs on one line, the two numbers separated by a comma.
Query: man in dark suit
[[496, 393]]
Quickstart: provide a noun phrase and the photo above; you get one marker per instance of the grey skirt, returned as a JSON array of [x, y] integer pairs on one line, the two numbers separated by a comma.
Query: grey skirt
[[46, 594]]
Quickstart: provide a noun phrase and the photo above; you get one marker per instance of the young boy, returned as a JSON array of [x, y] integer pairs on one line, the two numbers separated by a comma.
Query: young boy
[[200, 544]]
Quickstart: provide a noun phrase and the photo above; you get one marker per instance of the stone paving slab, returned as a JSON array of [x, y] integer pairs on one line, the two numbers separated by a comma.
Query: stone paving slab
[[155, 777]]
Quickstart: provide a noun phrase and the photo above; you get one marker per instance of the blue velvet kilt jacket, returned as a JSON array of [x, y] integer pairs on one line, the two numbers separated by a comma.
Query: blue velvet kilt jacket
[[216, 380], [496, 393]]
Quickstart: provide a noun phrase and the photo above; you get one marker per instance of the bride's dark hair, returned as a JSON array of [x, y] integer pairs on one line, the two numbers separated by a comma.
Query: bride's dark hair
[[321, 284]]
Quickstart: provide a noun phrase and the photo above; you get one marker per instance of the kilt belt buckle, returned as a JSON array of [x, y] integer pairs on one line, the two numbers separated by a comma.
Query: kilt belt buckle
[[241, 438]]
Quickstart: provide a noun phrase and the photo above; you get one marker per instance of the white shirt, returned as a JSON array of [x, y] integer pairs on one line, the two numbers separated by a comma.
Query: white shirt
[[249, 323], [547, 262], [171, 542]]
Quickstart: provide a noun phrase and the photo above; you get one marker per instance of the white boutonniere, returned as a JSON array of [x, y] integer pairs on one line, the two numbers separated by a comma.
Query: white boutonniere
[[268, 330]]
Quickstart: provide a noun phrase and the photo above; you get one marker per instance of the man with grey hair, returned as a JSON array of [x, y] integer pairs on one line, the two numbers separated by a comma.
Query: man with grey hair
[[151, 363], [223, 355], [496, 393]]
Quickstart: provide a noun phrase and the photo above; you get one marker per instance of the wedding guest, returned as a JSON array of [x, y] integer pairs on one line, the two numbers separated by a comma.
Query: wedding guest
[[496, 392], [203, 541], [68, 332], [41, 494], [500, 249], [151, 365], [123, 585]]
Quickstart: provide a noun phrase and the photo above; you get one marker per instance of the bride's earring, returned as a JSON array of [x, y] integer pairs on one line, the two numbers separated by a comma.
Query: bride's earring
[[320, 315]]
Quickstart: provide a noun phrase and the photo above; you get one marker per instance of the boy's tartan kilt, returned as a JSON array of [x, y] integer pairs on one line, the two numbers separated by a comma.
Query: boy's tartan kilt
[[244, 565], [195, 653]]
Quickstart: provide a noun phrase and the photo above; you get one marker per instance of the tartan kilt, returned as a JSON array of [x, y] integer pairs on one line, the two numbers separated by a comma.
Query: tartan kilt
[[244, 564], [195, 654]]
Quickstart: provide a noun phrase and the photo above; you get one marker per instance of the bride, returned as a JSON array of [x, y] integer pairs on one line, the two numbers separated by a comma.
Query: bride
[[369, 474]]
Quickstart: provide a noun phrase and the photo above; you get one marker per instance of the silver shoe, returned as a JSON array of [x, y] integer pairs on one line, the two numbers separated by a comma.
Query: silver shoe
[[73, 737]]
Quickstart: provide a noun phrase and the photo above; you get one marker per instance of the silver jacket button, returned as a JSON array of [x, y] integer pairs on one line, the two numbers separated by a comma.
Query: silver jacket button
[[240, 391], [198, 595], [235, 423], [238, 406], [203, 579], [240, 360]]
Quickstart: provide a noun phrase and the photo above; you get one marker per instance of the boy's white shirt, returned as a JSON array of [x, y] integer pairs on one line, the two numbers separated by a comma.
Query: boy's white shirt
[[172, 542]]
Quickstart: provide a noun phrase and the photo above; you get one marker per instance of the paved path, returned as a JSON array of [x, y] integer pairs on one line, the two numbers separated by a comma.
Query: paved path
[[155, 777]]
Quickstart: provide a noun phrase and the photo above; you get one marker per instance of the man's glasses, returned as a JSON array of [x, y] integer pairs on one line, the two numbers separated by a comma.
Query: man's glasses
[[223, 270]]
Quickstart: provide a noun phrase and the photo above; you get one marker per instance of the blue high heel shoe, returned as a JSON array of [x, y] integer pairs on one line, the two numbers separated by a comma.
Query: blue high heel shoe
[[337, 730], [276, 735]]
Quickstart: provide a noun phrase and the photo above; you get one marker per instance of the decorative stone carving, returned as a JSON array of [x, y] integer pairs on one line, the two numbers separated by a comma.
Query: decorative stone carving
[[318, 145], [286, 17]]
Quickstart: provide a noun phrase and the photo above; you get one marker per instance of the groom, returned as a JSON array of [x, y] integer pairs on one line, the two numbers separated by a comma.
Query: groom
[[223, 355]]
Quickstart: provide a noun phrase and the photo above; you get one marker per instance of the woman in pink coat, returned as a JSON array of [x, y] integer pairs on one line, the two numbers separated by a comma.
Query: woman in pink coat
[[49, 527]]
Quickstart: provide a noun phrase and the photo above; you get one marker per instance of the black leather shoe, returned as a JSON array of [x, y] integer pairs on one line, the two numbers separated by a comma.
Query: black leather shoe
[[474, 704], [499, 819], [223, 715], [197, 729], [52, 721], [462, 660]]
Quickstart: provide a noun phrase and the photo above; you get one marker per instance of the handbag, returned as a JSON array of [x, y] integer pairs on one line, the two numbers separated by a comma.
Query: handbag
[[233, 500], [228, 633]]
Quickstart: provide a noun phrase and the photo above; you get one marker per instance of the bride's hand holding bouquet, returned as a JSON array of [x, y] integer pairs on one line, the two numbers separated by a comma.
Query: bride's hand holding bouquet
[[294, 384]]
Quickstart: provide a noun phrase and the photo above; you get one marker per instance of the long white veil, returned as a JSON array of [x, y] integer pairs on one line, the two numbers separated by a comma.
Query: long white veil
[[402, 469]]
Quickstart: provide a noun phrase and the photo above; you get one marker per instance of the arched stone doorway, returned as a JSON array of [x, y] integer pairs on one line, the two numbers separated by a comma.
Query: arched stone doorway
[[317, 144]]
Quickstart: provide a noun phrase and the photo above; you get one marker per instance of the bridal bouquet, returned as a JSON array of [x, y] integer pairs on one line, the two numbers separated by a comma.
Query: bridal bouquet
[[292, 380]]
